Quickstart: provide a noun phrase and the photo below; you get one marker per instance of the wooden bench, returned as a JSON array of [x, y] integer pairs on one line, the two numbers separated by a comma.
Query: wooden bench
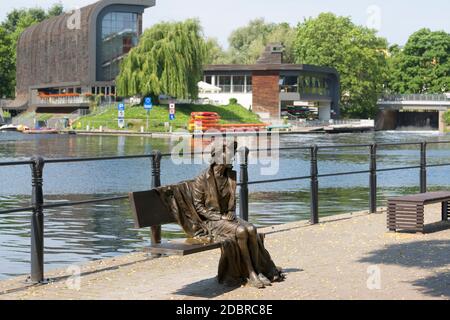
[[407, 213], [149, 211]]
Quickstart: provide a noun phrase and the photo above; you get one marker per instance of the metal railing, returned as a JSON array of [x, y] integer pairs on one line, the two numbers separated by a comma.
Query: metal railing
[[78, 100], [235, 88], [37, 205], [416, 97], [326, 123]]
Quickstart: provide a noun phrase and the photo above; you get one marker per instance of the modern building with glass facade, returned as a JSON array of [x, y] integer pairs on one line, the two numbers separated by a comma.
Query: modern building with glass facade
[[63, 61], [274, 89]]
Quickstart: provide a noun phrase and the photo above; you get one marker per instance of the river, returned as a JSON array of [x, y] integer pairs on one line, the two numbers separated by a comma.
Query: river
[[83, 233]]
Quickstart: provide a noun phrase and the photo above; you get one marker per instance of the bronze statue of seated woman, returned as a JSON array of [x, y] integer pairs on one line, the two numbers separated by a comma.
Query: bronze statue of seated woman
[[206, 207]]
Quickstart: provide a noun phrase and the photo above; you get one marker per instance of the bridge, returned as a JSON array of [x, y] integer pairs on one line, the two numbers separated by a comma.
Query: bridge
[[413, 110]]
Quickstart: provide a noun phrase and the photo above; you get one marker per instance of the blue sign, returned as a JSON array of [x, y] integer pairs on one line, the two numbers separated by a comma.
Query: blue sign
[[148, 105], [121, 107], [172, 117]]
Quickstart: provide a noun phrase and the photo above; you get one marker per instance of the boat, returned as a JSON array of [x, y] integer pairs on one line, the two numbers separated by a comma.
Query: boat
[[41, 131], [9, 127]]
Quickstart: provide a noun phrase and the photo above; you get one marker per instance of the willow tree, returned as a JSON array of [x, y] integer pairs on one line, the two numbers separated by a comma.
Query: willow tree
[[168, 60]]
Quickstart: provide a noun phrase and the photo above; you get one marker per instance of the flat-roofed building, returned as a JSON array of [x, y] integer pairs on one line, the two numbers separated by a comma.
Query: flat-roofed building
[[272, 88]]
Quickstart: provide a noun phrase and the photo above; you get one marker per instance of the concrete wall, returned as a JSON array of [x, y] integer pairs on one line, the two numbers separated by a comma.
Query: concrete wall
[[324, 111], [266, 92]]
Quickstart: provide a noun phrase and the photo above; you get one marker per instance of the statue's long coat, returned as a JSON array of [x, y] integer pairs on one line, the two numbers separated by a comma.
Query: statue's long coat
[[195, 205]]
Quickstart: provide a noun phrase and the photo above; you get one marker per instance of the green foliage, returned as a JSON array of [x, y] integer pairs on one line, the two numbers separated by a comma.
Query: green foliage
[[247, 43], [10, 30], [136, 116], [355, 51], [233, 101], [423, 66], [168, 60], [447, 118], [215, 53], [6, 65]]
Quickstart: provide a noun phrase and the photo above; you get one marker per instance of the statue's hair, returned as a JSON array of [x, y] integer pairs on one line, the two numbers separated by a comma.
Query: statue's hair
[[226, 148]]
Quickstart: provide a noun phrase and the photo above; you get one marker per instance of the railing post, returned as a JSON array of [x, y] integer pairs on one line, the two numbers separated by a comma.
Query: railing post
[[314, 186], [156, 182], [373, 179], [37, 221], [243, 205], [423, 167]]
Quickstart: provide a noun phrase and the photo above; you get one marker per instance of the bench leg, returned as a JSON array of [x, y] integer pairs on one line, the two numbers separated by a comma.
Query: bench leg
[[391, 217], [420, 218], [156, 238], [445, 211]]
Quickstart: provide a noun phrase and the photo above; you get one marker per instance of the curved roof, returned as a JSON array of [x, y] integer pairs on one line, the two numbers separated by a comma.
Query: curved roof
[[52, 52]]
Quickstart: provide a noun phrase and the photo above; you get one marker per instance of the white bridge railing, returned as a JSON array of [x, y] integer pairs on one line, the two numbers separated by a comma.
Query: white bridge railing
[[415, 97], [333, 123]]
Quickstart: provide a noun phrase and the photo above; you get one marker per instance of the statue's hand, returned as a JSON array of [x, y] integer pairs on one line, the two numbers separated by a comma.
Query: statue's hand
[[231, 216]]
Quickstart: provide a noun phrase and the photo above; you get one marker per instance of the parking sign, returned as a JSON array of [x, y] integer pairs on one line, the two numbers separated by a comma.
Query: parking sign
[[148, 104]]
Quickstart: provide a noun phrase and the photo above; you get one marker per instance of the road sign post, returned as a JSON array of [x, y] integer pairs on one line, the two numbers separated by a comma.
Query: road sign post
[[121, 115], [172, 111], [148, 105]]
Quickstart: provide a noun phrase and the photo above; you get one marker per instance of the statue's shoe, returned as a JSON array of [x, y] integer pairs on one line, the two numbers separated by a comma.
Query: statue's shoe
[[277, 275], [264, 280], [256, 283]]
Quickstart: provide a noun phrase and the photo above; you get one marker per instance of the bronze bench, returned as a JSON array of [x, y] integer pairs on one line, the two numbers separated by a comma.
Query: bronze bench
[[407, 213], [149, 211]]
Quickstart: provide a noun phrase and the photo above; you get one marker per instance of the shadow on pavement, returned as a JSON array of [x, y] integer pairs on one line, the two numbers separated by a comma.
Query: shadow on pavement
[[210, 288], [419, 254]]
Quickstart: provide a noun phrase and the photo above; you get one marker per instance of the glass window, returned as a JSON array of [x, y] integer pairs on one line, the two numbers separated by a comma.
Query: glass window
[[225, 83], [238, 84], [119, 35], [208, 79]]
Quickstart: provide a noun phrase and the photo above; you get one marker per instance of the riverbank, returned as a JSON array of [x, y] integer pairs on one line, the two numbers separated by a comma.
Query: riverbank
[[158, 118], [177, 134], [349, 256]]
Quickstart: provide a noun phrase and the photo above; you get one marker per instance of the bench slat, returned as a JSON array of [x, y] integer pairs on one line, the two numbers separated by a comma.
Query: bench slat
[[180, 248]]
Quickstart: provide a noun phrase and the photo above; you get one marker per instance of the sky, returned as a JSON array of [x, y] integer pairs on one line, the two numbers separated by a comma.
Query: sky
[[395, 19]]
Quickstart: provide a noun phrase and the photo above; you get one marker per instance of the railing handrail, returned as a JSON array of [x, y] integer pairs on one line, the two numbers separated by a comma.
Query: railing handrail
[[339, 146], [38, 205]]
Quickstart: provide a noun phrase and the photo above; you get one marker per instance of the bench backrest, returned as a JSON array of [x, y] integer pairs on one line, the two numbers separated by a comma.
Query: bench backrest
[[149, 210]]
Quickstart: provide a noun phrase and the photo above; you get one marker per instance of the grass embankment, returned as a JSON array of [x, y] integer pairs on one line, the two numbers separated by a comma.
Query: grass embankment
[[136, 117]]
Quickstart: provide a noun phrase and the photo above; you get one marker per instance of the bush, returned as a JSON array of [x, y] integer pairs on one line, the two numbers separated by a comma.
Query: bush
[[447, 118], [233, 101]]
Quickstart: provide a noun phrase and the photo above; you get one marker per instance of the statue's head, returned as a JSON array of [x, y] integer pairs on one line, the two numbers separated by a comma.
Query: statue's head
[[223, 153]]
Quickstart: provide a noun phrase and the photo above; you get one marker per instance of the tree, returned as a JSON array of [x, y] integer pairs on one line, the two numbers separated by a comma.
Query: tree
[[55, 10], [215, 53], [247, 43], [423, 66], [168, 60], [10, 30], [6, 65], [355, 51]]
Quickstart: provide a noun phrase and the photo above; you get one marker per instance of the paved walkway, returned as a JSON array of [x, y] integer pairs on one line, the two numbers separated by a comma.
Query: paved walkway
[[345, 257]]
